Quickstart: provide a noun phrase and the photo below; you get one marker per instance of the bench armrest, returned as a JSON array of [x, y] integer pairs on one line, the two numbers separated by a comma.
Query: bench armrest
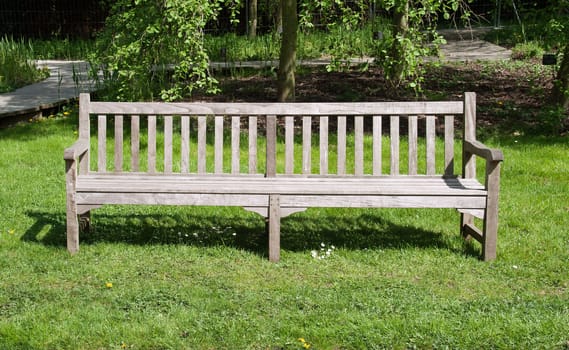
[[76, 150], [481, 150]]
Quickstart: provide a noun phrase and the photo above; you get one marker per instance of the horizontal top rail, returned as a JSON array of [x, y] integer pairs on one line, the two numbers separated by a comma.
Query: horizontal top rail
[[285, 109]]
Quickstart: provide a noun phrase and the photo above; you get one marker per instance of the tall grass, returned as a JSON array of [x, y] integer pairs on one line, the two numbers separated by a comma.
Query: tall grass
[[335, 41], [195, 277], [16, 66]]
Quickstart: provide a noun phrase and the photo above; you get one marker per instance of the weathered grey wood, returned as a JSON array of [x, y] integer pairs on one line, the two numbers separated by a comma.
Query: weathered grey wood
[[185, 147], [413, 145], [135, 143], [271, 155], [102, 144], [341, 145], [278, 195], [274, 221], [151, 144], [481, 150], [253, 145], [168, 143], [218, 145], [449, 145], [202, 124], [491, 218], [324, 145], [84, 131], [478, 213], [118, 143], [78, 149], [264, 211], [472, 231], [430, 139], [289, 145], [359, 145], [292, 109], [468, 160], [157, 198], [282, 185], [235, 141], [306, 145], [72, 220], [394, 134], [377, 141]]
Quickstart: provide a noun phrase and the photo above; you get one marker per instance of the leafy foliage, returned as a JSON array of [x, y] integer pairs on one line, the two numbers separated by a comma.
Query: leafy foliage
[[414, 37], [143, 38]]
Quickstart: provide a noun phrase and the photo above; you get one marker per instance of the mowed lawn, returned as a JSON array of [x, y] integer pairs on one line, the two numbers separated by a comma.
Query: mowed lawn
[[198, 278]]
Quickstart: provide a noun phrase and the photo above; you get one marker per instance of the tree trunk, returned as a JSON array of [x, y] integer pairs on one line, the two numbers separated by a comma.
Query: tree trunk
[[287, 58], [400, 29], [252, 25], [561, 87]]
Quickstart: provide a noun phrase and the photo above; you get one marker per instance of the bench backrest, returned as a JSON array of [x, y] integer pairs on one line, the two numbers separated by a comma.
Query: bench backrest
[[403, 138]]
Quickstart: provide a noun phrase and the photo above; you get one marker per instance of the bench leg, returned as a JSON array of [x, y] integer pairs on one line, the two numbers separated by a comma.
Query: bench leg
[[72, 215], [274, 221], [491, 216], [465, 220]]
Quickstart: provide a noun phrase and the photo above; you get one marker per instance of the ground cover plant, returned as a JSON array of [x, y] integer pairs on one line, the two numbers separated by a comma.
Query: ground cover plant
[[16, 67], [187, 277]]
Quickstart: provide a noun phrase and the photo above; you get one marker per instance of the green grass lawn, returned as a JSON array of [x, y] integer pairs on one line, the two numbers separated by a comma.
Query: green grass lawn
[[198, 278]]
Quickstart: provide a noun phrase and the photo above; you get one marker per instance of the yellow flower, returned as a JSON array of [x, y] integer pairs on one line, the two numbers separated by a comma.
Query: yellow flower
[[301, 340], [123, 345], [306, 346], [11, 231], [66, 113], [109, 285]]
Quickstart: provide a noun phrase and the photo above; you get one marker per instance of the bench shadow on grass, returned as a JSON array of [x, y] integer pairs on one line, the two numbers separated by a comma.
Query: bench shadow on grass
[[234, 227]]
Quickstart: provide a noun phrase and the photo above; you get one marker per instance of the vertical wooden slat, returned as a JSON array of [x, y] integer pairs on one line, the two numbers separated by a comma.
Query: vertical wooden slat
[[341, 145], [271, 156], [323, 145], [151, 143], [306, 145], [289, 145], [202, 125], [185, 134], [235, 150], [394, 135], [359, 145], [84, 131], [168, 124], [135, 143], [119, 143], [252, 145], [377, 139], [468, 160], [449, 145], [218, 145], [102, 144], [430, 135], [413, 145]]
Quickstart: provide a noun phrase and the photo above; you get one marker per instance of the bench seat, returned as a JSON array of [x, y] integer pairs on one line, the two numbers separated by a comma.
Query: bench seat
[[253, 191]]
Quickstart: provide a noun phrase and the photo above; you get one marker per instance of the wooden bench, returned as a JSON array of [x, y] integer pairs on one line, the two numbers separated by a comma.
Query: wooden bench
[[280, 158]]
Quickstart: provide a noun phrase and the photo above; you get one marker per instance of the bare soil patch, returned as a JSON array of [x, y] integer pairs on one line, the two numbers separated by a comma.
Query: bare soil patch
[[511, 97]]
